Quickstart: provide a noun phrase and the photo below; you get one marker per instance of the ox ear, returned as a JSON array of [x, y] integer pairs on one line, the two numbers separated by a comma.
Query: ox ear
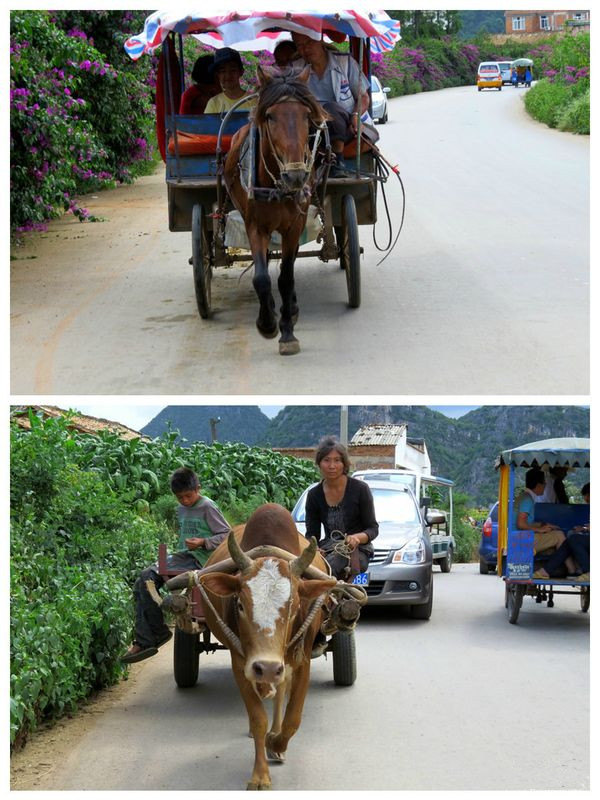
[[221, 583], [309, 589]]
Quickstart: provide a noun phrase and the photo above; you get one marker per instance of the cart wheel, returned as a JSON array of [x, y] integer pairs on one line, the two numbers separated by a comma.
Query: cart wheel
[[584, 598], [185, 658], [350, 250], [201, 261], [483, 566], [343, 649], [514, 599]]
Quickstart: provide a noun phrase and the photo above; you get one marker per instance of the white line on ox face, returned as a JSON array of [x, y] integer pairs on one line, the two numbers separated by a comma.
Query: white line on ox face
[[270, 592]]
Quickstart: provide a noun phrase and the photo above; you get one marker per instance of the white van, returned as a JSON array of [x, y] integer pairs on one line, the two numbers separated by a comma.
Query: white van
[[431, 491]]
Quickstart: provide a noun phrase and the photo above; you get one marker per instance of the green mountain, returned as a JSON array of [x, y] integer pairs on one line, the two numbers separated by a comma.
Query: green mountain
[[462, 449], [245, 424], [474, 22]]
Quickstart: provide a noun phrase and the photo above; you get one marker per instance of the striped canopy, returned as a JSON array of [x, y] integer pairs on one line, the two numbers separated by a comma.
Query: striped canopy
[[245, 26]]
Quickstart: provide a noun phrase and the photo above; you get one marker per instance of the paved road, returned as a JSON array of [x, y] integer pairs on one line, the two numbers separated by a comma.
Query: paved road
[[486, 292], [463, 701]]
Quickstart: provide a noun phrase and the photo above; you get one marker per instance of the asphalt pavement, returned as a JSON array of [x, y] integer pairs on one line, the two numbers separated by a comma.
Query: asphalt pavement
[[464, 701], [486, 292]]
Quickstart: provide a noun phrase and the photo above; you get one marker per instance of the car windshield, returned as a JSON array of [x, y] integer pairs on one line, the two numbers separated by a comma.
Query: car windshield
[[393, 477], [375, 85], [394, 506], [391, 505]]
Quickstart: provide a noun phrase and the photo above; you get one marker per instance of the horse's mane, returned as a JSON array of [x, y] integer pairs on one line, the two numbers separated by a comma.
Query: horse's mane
[[287, 86]]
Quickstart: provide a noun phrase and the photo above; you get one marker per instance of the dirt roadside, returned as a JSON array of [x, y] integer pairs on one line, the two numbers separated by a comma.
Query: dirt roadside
[[33, 766]]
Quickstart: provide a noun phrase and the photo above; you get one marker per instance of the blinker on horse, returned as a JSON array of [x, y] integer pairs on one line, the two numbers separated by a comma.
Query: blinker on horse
[[277, 195]]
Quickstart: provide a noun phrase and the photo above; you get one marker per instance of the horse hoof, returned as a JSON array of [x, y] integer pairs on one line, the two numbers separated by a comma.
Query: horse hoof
[[268, 334], [273, 756], [289, 348], [257, 787]]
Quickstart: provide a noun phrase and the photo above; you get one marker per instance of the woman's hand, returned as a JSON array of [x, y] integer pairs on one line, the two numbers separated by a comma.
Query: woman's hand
[[353, 540]]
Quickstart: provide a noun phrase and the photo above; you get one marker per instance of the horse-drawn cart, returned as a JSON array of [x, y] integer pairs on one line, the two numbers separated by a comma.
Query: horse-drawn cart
[[195, 149]]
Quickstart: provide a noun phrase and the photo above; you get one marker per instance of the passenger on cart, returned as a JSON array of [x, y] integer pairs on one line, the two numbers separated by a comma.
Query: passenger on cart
[[575, 547], [227, 69], [342, 89], [546, 535], [202, 528], [196, 96]]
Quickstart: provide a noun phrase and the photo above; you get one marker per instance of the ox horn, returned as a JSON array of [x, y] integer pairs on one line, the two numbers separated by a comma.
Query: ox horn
[[242, 561], [303, 561]]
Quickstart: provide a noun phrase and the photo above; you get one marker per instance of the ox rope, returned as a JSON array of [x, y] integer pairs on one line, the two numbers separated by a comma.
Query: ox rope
[[301, 632], [229, 634]]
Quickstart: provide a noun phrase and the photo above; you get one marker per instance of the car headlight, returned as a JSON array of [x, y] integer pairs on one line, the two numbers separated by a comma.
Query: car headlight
[[413, 552]]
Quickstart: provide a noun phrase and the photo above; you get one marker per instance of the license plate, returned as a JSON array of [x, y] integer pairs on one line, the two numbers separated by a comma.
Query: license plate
[[362, 579]]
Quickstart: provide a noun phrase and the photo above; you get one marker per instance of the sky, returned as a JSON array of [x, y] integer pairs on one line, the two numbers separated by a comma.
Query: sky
[[137, 415]]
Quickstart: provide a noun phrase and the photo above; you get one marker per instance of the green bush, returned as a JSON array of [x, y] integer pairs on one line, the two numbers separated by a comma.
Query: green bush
[[575, 115], [87, 515], [78, 122], [544, 100]]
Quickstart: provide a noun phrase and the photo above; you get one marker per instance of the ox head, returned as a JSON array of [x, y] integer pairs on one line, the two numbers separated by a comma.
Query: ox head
[[268, 594]]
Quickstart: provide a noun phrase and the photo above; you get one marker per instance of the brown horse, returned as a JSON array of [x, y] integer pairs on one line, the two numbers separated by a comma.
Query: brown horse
[[277, 193]]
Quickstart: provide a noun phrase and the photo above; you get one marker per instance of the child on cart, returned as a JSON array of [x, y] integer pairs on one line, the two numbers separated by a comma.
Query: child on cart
[[202, 527]]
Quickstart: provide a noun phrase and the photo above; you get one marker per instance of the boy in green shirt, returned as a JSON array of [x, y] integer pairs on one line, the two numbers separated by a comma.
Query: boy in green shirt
[[202, 528]]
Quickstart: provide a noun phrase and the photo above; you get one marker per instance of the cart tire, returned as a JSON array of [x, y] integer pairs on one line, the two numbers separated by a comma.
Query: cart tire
[[350, 250], [446, 562], [584, 598], [484, 567], [423, 610], [343, 649], [186, 656], [514, 598], [201, 261]]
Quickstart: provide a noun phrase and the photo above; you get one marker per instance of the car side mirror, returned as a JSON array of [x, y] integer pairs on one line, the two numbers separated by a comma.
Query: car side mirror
[[386, 89], [424, 502]]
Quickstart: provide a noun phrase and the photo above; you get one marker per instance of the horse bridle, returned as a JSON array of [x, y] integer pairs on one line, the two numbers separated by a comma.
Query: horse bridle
[[289, 166]]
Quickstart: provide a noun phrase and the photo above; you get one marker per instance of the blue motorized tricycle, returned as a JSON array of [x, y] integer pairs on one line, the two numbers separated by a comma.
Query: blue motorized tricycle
[[518, 563]]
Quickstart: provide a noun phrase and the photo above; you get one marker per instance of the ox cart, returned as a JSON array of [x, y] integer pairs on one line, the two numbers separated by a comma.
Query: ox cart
[[195, 147], [193, 637]]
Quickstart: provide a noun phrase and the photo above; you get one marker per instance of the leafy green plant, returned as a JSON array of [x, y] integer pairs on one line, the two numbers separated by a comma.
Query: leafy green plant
[[87, 515]]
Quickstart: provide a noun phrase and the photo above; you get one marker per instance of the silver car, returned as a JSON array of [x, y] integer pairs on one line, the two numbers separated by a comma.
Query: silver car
[[379, 102], [400, 572]]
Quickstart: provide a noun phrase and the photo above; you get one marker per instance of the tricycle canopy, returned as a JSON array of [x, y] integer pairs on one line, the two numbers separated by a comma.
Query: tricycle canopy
[[235, 26], [522, 62], [562, 452]]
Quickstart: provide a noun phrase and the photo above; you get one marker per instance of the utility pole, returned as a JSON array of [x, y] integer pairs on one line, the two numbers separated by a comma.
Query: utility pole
[[344, 425], [214, 421]]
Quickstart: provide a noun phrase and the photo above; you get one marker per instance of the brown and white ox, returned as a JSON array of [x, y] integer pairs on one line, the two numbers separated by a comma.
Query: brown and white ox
[[275, 614]]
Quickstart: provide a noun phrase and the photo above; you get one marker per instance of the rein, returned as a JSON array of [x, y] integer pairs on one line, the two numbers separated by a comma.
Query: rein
[[279, 191]]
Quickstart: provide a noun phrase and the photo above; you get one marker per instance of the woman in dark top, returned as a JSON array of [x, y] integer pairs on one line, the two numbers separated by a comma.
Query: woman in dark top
[[342, 505]]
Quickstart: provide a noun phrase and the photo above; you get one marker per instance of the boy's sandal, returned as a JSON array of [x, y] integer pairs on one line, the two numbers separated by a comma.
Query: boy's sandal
[[138, 653], [166, 638]]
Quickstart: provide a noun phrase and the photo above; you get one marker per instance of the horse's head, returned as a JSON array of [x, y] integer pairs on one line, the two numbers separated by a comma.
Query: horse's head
[[286, 111]]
